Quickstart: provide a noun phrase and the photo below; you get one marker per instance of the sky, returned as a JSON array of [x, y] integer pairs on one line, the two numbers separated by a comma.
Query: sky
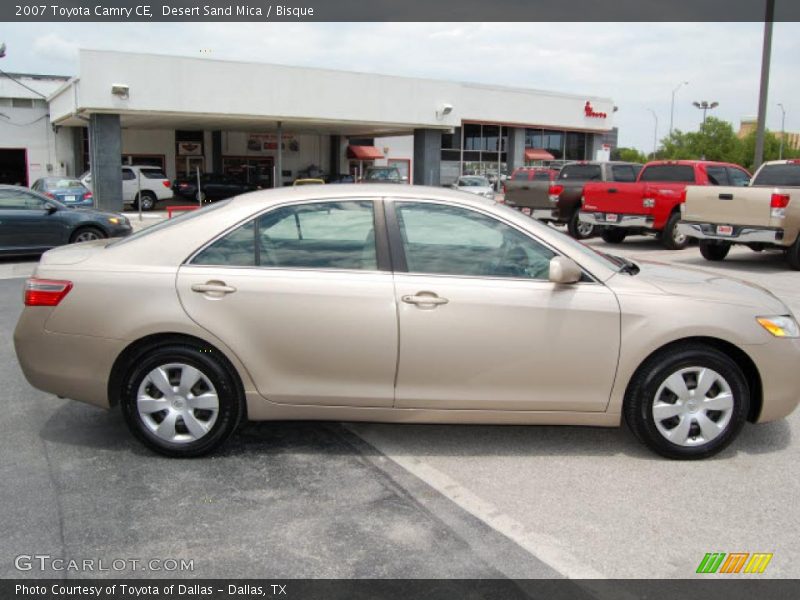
[[636, 64]]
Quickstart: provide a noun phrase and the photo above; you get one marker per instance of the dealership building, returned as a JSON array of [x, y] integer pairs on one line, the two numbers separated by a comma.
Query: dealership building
[[272, 124]]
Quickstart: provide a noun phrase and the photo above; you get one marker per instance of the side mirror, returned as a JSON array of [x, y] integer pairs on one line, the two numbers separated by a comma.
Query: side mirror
[[50, 208], [564, 270]]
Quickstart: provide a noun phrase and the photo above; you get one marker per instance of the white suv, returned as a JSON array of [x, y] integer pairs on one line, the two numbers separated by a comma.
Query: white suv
[[154, 185]]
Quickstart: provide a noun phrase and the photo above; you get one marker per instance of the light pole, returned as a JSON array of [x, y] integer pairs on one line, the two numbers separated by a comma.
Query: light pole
[[705, 106], [672, 104], [766, 54], [655, 132], [783, 130]]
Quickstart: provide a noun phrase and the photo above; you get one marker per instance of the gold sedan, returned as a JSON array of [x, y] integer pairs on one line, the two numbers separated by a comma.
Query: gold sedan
[[398, 304]]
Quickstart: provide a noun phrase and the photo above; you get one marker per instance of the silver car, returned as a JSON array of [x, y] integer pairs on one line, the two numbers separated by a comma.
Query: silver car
[[398, 304]]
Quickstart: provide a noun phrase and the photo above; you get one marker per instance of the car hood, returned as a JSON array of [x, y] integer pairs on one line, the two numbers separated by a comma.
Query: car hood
[[708, 286], [96, 213]]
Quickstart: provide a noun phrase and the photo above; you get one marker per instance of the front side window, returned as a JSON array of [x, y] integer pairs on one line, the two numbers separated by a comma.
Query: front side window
[[325, 235], [448, 240], [13, 199], [738, 177], [717, 175]]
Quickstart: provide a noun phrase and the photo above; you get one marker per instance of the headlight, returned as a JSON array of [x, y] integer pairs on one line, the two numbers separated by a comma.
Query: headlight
[[118, 220], [780, 326]]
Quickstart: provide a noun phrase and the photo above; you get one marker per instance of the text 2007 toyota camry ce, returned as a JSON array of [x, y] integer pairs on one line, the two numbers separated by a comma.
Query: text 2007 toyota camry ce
[[376, 303]]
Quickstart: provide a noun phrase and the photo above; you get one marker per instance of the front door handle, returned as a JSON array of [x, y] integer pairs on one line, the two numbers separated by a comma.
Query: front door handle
[[726, 196], [424, 299], [215, 289]]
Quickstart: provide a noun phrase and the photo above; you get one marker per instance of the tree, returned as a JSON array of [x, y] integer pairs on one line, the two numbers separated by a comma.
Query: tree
[[771, 149], [715, 140], [628, 155]]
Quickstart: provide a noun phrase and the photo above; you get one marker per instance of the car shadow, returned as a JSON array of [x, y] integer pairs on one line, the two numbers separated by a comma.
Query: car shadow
[[88, 427]]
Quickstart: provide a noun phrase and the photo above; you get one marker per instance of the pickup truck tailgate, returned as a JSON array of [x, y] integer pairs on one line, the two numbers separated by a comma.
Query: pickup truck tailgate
[[528, 194], [729, 206]]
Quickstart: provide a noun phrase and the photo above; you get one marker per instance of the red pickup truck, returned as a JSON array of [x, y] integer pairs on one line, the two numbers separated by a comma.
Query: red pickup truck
[[652, 203]]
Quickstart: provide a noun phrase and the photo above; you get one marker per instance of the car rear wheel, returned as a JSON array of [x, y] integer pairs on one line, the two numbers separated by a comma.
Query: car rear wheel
[[687, 402], [793, 254], [578, 229], [671, 238], [614, 235], [87, 234], [181, 401], [148, 201], [714, 250]]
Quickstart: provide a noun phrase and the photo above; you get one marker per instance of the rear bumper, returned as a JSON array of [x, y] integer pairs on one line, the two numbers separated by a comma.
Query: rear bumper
[[740, 234], [632, 221], [72, 366]]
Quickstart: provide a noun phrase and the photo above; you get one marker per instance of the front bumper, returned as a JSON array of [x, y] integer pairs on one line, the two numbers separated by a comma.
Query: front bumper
[[632, 221], [741, 234]]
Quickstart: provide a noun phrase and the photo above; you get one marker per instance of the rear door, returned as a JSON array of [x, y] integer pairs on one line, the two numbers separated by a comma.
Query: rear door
[[304, 296]]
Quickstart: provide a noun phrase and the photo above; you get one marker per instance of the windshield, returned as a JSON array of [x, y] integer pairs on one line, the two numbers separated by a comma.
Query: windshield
[[382, 175], [181, 218], [473, 182], [54, 184], [783, 175]]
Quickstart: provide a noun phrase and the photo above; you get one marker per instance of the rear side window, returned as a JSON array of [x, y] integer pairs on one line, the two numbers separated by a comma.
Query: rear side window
[[153, 173], [623, 173], [668, 173], [738, 177], [785, 175], [581, 173], [326, 235], [717, 175]]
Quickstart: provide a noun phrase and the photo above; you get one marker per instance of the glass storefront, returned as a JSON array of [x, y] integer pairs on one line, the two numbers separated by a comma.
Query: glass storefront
[[563, 145]]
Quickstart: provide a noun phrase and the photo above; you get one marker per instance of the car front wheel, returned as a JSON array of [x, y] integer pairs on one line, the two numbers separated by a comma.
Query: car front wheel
[[181, 401], [687, 402]]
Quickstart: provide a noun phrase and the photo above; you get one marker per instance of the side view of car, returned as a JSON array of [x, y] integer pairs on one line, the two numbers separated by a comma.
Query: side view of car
[[31, 223], [154, 185], [213, 186], [652, 203], [389, 303], [67, 190], [766, 214]]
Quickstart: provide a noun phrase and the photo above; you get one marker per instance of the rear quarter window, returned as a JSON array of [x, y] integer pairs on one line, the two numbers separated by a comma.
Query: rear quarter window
[[787, 175], [153, 173], [668, 173]]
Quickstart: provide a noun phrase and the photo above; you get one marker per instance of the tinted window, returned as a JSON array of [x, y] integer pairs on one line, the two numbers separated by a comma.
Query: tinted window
[[717, 175], [153, 173], [541, 176], [455, 241], [519, 176], [785, 174], [13, 199], [581, 173], [55, 184], [330, 235], [738, 177], [390, 174], [127, 174], [676, 173], [623, 173]]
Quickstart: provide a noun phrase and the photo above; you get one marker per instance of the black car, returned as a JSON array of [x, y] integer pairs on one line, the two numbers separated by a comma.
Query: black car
[[31, 223], [212, 187]]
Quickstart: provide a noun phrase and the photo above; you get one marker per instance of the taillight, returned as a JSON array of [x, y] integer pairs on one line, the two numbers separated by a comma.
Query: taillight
[[49, 195], [554, 192], [87, 196], [45, 292], [166, 183], [777, 205]]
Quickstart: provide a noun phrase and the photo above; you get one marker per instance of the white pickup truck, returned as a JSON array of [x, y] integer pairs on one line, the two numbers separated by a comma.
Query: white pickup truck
[[765, 214]]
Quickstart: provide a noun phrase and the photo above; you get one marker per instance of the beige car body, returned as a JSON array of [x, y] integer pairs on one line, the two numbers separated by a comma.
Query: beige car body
[[747, 208], [340, 345]]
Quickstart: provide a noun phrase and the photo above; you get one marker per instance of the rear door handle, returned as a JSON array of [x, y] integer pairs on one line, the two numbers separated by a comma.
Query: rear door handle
[[726, 196], [213, 288], [424, 298], [612, 190]]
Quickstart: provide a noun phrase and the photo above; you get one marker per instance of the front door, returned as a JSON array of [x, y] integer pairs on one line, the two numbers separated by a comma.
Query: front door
[[27, 224], [298, 296], [482, 327]]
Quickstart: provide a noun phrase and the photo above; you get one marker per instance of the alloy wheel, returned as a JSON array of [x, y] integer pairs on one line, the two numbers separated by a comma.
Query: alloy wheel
[[87, 236]]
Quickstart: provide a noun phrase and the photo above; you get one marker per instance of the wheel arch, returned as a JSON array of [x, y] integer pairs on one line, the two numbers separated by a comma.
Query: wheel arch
[[736, 354], [141, 346]]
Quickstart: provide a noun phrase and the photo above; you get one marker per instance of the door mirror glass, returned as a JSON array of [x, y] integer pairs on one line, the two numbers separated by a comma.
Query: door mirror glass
[[564, 270]]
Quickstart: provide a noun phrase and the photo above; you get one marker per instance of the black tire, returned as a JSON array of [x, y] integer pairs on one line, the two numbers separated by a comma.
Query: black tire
[[793, 255], [614, 235], [149, 201], [670, 238], [578, 230], [200, 196], [714, 251], [86, 234], [213, 367], [647, 382]]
